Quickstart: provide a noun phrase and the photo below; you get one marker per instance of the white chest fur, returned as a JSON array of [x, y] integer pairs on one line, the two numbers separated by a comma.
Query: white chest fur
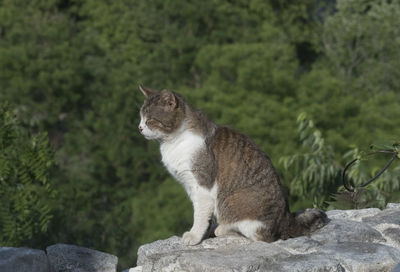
[[177, 155]]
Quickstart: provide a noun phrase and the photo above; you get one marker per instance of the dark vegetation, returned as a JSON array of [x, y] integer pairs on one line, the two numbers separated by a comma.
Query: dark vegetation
[[70, 69]]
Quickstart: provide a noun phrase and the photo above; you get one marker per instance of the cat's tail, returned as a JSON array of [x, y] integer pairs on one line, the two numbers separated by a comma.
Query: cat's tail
[[307, 221]]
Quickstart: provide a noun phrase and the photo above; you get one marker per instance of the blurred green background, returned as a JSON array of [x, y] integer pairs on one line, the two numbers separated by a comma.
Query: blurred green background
[[313, 82]]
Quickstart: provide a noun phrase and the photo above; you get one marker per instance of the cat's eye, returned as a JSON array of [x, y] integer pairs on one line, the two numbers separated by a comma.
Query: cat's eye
[[153, 121]]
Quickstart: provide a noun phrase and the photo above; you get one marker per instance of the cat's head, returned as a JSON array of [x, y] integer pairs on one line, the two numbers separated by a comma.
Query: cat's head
[[161, 115]]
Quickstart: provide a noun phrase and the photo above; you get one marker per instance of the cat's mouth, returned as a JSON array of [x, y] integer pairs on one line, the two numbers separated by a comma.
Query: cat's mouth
[[148, 136]]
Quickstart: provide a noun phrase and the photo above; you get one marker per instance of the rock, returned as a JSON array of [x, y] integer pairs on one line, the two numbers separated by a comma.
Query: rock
[[300, 245], [397, 268], [360, 256], [393, 206], [392, 235], [260, 256], [340, 230], [353, 240], [234, 257], [71, 258], [23, 260], [174, 244], [356, 215], [388, 216]]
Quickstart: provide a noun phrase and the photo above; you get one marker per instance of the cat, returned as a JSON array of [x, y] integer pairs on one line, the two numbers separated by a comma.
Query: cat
[[224, 173]]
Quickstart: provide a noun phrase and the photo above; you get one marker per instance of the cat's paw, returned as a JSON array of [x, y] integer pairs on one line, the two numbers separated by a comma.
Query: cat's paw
[[220, 230], [190, 238]]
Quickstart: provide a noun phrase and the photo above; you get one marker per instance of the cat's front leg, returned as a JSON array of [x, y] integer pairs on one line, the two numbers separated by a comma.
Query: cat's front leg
[[203, 205]]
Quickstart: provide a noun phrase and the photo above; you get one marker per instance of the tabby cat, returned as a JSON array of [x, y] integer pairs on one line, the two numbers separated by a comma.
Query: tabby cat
[[224, 173]]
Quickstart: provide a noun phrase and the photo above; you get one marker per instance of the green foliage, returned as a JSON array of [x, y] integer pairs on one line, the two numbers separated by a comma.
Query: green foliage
[[316, 172], [165, 221], [26, 190], [364, 52], [318, 176], [379, 192], [386, 146], [40, 59]]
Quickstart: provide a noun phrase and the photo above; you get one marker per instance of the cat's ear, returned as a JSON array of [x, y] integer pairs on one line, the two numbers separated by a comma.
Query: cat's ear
[[146, 91], [170, 102]]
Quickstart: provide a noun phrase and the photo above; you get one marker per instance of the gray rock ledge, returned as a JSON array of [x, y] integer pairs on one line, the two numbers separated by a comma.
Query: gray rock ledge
[[22, 259], [71, 258], [354, 240], [59, 258]]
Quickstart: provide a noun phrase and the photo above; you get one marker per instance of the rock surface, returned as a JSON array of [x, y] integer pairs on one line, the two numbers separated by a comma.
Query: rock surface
[[59, 258], [353, 240], [71, 258], [23, 260]]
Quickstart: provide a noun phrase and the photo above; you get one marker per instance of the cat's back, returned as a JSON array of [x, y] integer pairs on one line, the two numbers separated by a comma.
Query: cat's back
[[240, 161]]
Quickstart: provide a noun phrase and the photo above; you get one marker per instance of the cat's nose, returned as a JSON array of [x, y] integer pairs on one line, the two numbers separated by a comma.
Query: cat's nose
[[140, 128]]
